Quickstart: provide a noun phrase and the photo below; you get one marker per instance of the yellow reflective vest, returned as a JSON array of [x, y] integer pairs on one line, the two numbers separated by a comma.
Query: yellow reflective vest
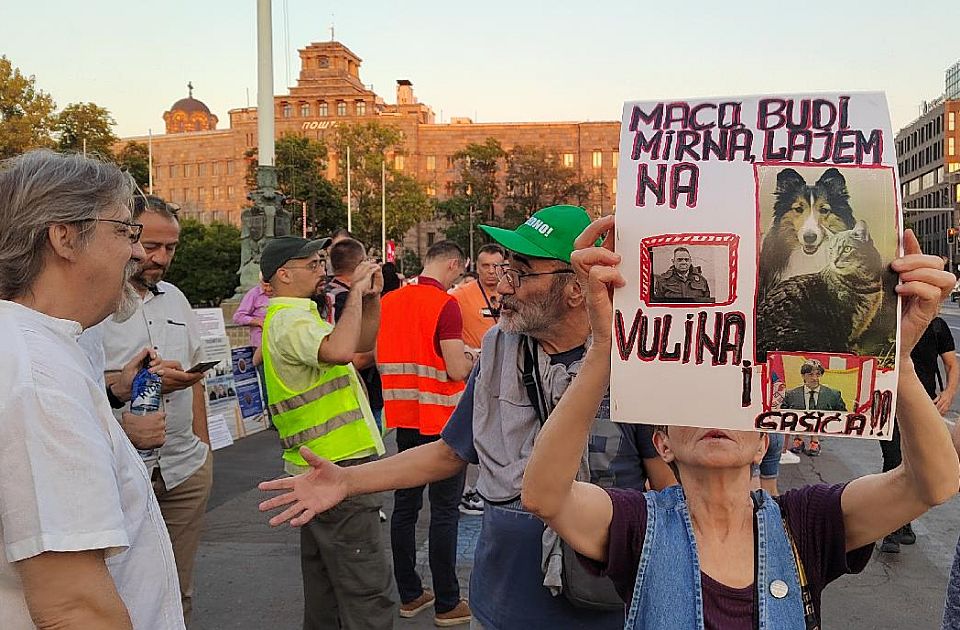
[[327, 416]]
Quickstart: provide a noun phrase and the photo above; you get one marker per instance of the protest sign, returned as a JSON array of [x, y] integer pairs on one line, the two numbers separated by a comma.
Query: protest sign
[[248, 390], [219, 383], [756, 236]]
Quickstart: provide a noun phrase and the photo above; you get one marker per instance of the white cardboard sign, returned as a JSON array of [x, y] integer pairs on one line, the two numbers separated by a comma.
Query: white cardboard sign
[[756, 235]]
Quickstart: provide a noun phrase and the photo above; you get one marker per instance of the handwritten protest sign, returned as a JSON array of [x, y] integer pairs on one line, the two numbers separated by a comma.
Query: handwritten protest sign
[[756, 236]]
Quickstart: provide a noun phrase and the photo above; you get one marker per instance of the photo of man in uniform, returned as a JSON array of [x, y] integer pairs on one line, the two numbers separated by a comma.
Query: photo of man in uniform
[[682, 282]]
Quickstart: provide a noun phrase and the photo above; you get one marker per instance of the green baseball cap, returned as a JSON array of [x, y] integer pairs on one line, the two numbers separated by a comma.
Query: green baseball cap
[[549, 233]]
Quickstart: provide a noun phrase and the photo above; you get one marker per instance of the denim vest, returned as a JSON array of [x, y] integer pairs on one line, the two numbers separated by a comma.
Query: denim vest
[[669, 567]]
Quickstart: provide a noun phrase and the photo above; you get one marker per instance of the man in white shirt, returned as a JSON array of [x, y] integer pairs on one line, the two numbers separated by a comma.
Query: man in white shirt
[[83, 539], [182, 468]]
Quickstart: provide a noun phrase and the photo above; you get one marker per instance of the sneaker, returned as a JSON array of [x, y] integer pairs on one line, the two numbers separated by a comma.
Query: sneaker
[[454, 617], [907, 537], [798, 446], [787, 457], [471, 503], [814, 449], [411, 608], [890, 544]]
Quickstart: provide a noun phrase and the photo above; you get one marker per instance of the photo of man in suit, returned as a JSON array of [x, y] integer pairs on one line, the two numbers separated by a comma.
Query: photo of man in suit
[[812, 395]]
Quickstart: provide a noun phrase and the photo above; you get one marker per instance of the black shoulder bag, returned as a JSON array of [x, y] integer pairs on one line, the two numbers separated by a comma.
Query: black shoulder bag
[[580, 587]]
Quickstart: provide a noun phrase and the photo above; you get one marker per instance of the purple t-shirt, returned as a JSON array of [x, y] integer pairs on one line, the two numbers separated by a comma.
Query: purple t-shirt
[[813, 514]]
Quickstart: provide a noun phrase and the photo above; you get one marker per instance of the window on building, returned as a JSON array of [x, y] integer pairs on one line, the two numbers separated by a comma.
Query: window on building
[[398, 162], [951, 147], [287, 110], [361, 108], [201, 169], [431, 238], [229, 168], [341, 108], [216, 193], [304, 110], [927, 181], [186, 194], [431, 162], [323, 110], [613, 186], [953, 167], [431, 190], [913, 186], [188, 170], [616, 158], [952, 121], [230, 192], [201, 193], [173, 171], [215, 168], [597, 159], [939, 176], [323, 61], [568, 160], [451, 162]]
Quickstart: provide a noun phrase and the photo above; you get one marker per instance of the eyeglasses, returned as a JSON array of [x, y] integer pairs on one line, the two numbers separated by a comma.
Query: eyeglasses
[[514, 276], [133, 230], [313, 265]]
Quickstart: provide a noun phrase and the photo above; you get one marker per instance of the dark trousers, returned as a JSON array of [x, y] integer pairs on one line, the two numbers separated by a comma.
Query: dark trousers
[[444, 520], [346, 573], [891, 449]]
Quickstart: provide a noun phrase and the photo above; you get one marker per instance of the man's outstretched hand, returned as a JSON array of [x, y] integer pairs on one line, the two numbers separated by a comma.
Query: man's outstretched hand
[[310, 493]]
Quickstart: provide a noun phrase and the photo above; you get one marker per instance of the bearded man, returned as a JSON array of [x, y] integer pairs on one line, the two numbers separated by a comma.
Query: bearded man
[[543, 331]]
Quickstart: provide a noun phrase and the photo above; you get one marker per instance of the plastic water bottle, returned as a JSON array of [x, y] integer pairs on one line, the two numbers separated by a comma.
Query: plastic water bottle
[[146, 398]]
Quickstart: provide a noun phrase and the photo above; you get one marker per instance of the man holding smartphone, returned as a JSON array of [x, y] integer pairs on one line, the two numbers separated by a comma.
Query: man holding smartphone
[[182, 471]]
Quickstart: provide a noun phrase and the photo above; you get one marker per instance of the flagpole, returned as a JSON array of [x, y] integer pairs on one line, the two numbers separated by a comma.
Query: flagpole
[[349, 217], [150, 159], [383, 208]]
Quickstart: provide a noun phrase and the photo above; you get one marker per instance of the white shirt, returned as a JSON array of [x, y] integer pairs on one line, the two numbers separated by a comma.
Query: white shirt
[[165, 321], [69, 478], [806, 397]]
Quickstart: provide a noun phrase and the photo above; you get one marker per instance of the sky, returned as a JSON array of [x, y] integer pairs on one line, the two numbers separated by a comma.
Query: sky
[[491, 61]]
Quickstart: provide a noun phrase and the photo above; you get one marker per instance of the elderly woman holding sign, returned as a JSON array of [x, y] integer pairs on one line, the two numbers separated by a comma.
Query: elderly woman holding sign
[[710, 553]]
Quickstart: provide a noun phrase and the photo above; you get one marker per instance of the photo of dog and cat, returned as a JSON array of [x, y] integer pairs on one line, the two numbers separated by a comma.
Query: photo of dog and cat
[[824, 282]]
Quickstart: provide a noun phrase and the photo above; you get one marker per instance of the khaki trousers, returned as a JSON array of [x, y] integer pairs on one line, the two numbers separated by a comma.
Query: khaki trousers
[[183, 508]]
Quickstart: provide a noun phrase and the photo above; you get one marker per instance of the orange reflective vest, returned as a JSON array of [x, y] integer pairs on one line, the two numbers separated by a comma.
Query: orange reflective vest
[[417, 393]]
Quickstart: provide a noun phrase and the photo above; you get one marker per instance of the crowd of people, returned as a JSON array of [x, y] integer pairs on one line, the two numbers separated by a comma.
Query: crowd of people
[[586, 522]]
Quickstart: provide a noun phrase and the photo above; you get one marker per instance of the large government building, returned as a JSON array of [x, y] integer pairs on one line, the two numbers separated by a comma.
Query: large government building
[[203, 168]]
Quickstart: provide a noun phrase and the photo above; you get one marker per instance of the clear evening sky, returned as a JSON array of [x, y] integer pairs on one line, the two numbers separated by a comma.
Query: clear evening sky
[[494, 60]]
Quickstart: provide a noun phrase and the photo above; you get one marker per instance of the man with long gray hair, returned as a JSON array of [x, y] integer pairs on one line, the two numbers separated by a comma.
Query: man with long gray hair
[[84, 543]]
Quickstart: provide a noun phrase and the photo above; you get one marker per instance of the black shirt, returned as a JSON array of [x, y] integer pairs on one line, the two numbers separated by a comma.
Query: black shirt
[[936, 340], [371, 375]]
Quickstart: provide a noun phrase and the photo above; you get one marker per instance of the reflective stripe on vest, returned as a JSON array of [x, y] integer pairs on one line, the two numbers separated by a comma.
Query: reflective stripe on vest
[[412, 369], [327, 416], [424, 398]]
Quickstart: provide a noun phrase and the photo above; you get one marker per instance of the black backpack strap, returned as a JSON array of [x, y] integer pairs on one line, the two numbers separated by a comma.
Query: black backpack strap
[[531, 378]]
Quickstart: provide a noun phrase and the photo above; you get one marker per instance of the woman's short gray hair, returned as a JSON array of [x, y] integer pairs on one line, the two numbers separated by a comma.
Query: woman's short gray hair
[[41, 188]]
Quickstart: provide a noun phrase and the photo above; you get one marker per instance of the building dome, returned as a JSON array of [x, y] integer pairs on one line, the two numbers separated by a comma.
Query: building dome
[[189, 114], [190, 105]]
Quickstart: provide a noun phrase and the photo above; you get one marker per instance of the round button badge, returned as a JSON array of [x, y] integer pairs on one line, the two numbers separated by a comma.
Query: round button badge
[[779, 589]]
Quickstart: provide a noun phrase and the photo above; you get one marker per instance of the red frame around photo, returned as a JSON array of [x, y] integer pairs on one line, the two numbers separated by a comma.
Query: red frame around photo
[[731, 241]]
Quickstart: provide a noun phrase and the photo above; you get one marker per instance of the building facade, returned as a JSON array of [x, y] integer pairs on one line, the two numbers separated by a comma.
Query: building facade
[[204, 169]]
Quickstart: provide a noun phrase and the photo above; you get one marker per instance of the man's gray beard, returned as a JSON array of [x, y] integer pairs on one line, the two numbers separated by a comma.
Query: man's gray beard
[[129, 298], [533, 317]]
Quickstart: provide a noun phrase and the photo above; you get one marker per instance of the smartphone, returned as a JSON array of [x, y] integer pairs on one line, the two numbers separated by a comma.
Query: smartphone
[[203, 366]]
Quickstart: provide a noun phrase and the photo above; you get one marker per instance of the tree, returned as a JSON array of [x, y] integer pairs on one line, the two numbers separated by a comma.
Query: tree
[[26, 113], [300, 164], [205, 267], [478, 165], [536, 179], [79, 122], [457, 210], [407, 200], [134, 157]]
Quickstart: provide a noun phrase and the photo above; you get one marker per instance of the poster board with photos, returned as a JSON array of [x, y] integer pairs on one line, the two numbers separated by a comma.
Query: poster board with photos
[[756, 235], [221, 389]]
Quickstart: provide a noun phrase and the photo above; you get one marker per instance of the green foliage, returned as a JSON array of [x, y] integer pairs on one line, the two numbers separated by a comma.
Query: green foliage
[[85, 121], [407, 200], [206, 263], [300, 164], [26, 113], [536, 179], [135, 158], [457, 211], [477, 166], [409, 264]]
